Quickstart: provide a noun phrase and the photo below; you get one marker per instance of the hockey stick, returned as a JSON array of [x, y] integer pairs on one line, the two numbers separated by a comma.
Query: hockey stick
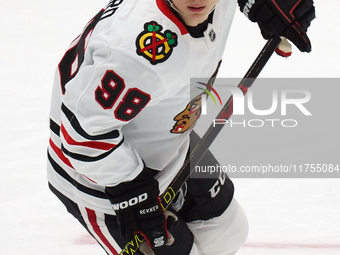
[[207, 139]]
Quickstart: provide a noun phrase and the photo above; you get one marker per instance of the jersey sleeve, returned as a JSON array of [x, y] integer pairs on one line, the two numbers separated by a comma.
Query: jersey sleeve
[[110, 89]]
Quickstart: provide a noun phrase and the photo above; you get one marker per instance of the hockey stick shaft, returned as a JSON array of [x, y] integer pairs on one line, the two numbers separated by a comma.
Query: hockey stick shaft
[[202, 147]]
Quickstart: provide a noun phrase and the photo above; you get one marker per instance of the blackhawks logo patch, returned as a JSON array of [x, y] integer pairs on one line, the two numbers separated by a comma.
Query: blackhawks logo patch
[[155, 45]]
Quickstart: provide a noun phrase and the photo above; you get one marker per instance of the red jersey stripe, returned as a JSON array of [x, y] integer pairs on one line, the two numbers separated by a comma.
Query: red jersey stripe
[[60, 154], [93, 221], [92, 144]]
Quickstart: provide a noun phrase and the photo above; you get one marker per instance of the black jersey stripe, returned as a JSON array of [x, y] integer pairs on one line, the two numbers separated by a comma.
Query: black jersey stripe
[[86, 158], [55, 127], [77, 127], [80, 187]]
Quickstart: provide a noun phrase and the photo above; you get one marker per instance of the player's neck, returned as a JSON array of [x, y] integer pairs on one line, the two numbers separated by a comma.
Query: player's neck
[[197, 30]]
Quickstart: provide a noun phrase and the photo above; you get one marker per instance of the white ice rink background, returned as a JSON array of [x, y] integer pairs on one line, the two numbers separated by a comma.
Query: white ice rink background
[[287, 216]]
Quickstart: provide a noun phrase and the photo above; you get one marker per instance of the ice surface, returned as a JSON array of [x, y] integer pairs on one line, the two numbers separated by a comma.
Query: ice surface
[[287, 216]]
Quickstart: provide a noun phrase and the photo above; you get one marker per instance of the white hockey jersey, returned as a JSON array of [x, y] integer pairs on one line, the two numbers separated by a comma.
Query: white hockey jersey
[[121, 97]]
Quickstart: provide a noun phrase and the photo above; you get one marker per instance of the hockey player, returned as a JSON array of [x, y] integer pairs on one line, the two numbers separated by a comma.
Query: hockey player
[[121, 128]]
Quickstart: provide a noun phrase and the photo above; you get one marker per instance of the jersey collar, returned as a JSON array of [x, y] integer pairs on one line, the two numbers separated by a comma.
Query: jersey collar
[[165, 9]]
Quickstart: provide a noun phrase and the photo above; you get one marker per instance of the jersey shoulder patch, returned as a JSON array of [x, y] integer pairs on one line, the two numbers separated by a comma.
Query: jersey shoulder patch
[[154, 45]]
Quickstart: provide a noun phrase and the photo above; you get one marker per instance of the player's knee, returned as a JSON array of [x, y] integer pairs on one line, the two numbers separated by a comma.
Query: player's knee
[[223, 235]]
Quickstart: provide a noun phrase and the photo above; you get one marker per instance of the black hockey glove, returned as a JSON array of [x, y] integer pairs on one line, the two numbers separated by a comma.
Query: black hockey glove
[[288, 18], [137, 206]]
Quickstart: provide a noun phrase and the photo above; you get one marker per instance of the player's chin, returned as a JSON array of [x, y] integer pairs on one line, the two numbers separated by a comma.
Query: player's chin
[[196, 18]]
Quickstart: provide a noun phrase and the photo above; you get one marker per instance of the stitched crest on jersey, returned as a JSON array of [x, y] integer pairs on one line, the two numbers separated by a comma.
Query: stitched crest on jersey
[[155, 45], [187, 119]]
